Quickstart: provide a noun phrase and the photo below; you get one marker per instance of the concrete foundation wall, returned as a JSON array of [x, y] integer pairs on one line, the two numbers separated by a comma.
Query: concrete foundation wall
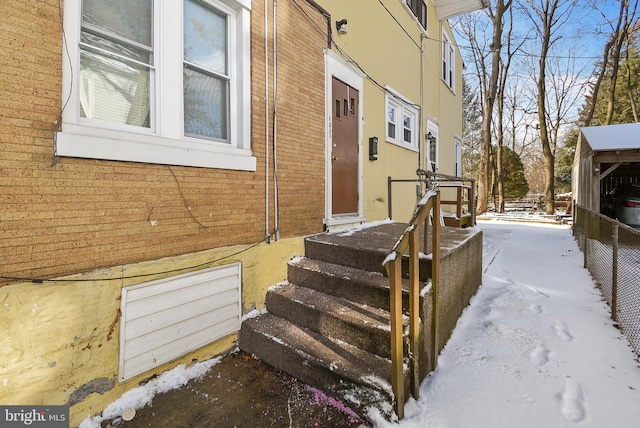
[[460, 277], [64, 344]]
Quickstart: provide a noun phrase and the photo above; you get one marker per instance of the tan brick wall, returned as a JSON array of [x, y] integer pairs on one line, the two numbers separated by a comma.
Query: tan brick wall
[[60, 216]]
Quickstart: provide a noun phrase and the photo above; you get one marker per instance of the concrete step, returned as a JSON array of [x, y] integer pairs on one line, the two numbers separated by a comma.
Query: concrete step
[[363, 255], [346, 372], [362, 286], [330, 248], [356, 285], [358, 324]]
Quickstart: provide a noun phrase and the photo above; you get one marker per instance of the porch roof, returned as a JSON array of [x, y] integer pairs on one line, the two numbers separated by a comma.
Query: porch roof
[[449, 8], [613, 137]]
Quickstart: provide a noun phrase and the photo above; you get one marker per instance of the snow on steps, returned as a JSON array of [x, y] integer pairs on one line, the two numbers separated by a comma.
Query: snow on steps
[[359, 378]]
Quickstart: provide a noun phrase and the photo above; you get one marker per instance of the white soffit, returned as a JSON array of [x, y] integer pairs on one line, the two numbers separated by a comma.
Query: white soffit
[[613, 137], [449, 8]]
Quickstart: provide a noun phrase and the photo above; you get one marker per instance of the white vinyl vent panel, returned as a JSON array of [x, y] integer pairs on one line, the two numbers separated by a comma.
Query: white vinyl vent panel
[[168, 318]]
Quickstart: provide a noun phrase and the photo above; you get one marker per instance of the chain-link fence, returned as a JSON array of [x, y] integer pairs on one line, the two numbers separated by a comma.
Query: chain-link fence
[[612, 255]]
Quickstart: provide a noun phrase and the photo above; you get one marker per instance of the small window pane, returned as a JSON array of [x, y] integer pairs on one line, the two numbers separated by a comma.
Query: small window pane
[[407, 136], [205, 37], [391, 122], [205, 105], [131, 19], [114, 89], [391, 130], [407, 129]]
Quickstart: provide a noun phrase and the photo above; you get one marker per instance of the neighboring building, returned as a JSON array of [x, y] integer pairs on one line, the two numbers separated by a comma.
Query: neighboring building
[[606, 157], [400, 59], [149, 193]]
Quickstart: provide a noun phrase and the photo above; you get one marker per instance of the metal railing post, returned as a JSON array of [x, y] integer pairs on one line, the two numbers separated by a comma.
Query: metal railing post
[[410, 241], [414, 311], [397, 375], [389, 197], [614, 280], [435, 281]]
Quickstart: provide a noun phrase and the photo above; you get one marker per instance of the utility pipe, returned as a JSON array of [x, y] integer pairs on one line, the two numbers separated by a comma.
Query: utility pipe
[[275, 122], [267, 237], [327, 16]]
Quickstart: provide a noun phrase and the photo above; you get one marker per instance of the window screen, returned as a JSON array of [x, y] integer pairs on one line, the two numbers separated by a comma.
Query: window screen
[[206, 77], [116, 61]]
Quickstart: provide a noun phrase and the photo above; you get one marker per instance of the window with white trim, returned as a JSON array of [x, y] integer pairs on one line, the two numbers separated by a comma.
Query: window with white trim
[[448, 61], [402, 122], [419, 10], [431, 142], [158, 82]]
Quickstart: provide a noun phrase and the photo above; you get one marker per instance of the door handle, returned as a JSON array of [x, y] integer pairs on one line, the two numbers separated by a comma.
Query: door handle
[[334, 157]]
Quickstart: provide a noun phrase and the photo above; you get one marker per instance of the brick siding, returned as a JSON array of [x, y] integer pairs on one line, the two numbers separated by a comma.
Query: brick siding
[[60, 216]]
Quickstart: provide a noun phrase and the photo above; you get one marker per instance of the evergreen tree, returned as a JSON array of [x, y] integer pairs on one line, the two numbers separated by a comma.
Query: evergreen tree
[[564, 161], [515, 182], [627, 93], [471, 131]]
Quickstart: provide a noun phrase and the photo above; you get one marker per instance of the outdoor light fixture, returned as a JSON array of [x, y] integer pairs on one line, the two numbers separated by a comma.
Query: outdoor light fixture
[[373, 148], [341, 26]]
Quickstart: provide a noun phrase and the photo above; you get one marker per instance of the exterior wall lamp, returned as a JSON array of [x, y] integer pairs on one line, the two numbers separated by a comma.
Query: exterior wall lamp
[[341, 26], [373, 148]]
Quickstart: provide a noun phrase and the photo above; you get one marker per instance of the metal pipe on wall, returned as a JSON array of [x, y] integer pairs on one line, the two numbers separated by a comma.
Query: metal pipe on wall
[[266, 127], [276, 232]]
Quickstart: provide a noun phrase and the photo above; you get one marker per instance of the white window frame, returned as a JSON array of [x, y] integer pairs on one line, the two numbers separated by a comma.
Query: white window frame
[[403, 108], [432, 164], [418, 19], [164, 142], [448, 61]]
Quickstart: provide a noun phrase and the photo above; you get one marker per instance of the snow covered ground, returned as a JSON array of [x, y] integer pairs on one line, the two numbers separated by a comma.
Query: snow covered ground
[[536, 347]]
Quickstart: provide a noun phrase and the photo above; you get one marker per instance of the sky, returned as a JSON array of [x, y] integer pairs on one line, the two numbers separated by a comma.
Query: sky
[[535, 348], [579, 39]]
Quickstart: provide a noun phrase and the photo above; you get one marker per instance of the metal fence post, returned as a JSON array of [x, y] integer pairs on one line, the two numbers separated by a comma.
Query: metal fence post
[[614, 281], [389, 205], [586, 240]]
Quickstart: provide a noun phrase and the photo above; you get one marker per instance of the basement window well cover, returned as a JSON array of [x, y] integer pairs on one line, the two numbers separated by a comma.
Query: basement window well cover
[[165, 319]]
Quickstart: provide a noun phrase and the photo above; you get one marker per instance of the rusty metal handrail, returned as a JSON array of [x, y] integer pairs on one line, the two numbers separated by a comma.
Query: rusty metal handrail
[[409, 240], [428, 177]]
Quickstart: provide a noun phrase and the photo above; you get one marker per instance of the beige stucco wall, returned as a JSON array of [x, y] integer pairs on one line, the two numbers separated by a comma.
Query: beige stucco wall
[[388, 55], [68, 349]]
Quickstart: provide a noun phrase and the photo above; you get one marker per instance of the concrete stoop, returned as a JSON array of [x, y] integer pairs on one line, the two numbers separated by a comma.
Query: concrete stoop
[[329, 325]]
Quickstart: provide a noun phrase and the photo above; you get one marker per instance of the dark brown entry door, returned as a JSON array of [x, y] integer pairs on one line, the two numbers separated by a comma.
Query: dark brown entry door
[[344, 153]]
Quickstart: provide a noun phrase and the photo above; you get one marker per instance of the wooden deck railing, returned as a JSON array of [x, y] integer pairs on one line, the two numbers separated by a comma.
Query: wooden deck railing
[[410, 241]]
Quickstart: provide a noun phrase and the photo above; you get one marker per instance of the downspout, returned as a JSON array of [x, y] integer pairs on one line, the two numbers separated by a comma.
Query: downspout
[[267, 237], [421, 133], [275, 122]]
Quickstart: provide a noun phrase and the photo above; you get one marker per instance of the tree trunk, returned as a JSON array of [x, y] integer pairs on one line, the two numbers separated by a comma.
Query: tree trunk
[[489, 99], [620, 36]]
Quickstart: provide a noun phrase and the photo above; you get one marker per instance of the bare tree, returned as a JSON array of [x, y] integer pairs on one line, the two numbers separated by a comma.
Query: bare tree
[[547, 17], [626, 22], [487, 69], [505, 65]]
